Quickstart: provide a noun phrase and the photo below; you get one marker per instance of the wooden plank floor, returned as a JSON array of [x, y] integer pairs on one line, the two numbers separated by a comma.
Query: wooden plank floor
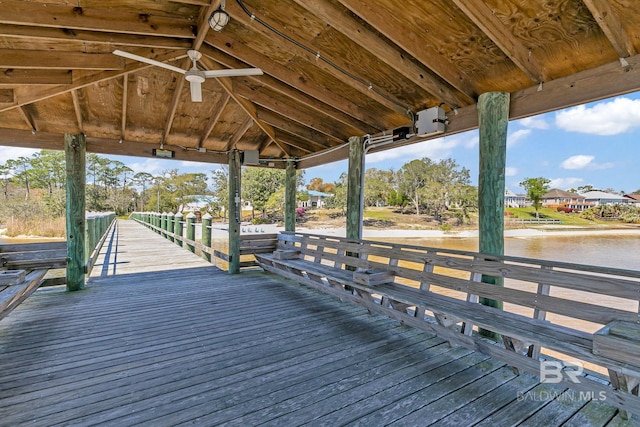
[[160, 338]]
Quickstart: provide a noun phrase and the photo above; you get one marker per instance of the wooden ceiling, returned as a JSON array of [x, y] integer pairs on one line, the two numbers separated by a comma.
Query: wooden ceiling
[[332, 69]]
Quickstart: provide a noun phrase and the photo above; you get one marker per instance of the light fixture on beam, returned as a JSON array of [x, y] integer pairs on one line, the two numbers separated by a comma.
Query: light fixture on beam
[[219, 18]]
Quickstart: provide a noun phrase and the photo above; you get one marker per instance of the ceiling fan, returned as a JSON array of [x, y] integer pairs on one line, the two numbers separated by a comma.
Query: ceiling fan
[[194, 75]]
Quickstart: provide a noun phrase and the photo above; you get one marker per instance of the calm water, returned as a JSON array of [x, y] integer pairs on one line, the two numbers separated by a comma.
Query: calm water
[[619, 251]]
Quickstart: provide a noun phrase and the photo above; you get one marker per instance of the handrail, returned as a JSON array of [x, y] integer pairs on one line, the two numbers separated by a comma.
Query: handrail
[[97, 226]]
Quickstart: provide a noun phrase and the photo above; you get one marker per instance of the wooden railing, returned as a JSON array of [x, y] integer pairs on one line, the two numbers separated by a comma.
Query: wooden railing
[[97, 224], [183, 233], [568, 317]]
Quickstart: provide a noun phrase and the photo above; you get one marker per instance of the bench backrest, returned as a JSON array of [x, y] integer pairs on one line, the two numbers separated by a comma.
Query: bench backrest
[[581, 296]]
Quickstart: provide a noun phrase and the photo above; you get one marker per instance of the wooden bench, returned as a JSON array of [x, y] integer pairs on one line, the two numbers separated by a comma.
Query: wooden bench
[[23, 268], [551, 310]]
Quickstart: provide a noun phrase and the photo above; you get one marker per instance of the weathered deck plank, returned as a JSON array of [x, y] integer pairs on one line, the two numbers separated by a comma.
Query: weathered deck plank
[[150, 342]]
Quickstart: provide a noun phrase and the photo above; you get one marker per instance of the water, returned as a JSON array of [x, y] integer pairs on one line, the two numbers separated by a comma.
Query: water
[[607, 250]]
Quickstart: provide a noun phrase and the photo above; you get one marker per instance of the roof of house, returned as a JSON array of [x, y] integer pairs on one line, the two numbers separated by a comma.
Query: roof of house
[[333, 69], [602, 195], [318, 194], [556, 193]]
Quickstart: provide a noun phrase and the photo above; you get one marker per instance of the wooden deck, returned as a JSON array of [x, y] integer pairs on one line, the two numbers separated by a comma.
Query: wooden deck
[[160, 337]]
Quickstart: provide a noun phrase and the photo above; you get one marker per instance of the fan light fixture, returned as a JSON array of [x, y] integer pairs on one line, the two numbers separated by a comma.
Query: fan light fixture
[[219, 18]]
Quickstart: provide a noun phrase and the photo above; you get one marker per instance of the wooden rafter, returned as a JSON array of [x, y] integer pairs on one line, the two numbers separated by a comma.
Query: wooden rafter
[[316, 139], [123, 114], [213, 119], [287, 91], [77, 109], [483, 17], [244, 127], [87, 80], [610, 24], [6, 96], [227, 45], [29, 32], [388, 100], [17, 12], [387, 53], [57, 60], [13, 77], [428, 56], [28, 118], [247, 106]]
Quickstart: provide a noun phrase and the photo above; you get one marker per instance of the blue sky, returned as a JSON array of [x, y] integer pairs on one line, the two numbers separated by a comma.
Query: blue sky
[[595, 144]]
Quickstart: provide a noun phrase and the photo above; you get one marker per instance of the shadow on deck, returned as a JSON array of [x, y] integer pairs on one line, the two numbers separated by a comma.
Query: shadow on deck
[[198, 346]]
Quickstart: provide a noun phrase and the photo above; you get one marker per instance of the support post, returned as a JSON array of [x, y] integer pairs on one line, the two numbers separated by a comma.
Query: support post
[[75, 149], [178, 227], [170, 226], [355, 214], [493, 118], [191, 230], [163, 224], [206, 235], [234, 212], [290, 198]]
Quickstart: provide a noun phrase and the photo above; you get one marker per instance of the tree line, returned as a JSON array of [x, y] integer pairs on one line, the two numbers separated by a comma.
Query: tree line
[[37, 184]]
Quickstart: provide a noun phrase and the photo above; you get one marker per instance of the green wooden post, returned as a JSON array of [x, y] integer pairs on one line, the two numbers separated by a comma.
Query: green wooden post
[[493, 119], [178, 227], [163, 224], [355, 214], [206, 235], [191, 230], [290, 197], [170, 225], [234, 212], [75, 147]]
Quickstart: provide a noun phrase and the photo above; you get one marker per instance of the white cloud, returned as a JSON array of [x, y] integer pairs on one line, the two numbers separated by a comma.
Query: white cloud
[[534, 123], [517, 136], [607, 118], [580, 161], [583, 161], [509, 171], [565, 183]]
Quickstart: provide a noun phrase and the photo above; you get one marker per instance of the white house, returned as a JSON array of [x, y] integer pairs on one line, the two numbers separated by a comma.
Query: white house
[[316, 199], [596, 198]]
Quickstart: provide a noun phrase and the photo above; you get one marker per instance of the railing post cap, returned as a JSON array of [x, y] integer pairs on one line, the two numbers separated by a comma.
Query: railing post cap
[[191, 215], [207, 216], [179, 215], [170, 214]]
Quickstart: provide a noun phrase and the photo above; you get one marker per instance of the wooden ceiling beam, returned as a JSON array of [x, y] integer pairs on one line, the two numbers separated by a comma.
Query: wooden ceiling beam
[[305, 133], [247, 106], [84, 36], [106, 20], [239, 133], [55, 141], [77, 109], [388, 25], [357, 127], [58, 60], [484, 18], [14, 77], [292, 112], [388, 100], [385, 52], [577, 89], [125, 100], [87, 80], [6, 96], [247, 55], [610, 24], [294, 141], [28, 118], [213, 119]]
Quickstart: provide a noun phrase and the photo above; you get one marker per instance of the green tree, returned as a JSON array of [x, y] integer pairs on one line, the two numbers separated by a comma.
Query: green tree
[[220, 178], [339, 199], [536, 188], [258, 184], [378, 185], [20, 168], [142, 180], [412, 179]]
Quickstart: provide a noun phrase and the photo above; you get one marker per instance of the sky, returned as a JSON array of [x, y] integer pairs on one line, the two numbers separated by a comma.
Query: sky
[[595, 144]]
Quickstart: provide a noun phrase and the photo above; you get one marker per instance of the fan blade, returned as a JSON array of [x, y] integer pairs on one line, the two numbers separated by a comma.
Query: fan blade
[[196, 91], [234, 72], [148, 61]]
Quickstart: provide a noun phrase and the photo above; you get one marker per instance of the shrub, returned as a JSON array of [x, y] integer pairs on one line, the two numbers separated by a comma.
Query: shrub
[[300, 212], [565, 210]]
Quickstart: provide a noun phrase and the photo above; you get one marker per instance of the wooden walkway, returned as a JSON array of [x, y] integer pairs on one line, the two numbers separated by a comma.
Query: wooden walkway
[[159, 337]]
